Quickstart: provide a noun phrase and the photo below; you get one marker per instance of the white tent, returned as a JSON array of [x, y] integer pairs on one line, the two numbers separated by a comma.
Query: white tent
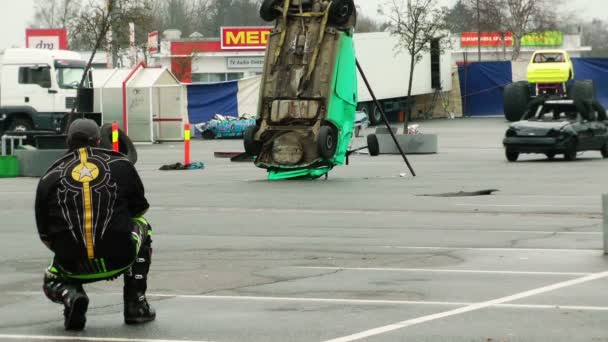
[[154, 108]]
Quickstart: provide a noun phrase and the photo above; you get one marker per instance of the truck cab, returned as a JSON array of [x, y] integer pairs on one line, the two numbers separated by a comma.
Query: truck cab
[[38, 87]]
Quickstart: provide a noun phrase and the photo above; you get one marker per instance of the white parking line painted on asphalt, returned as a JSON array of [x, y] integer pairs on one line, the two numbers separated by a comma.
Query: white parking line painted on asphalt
[[349, 301], [439, 270], [521, 205], [78, 338], [468, 308], [496, 249]]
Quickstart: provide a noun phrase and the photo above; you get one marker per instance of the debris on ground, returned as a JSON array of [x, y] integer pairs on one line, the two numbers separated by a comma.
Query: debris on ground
[[180, 166], [463, 193]]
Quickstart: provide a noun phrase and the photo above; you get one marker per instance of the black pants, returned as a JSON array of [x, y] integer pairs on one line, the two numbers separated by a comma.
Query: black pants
[[117, 254]]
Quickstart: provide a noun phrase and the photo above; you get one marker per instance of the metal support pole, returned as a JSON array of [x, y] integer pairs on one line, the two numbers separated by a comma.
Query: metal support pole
[[4, 145], [388, 125], [605, 211]]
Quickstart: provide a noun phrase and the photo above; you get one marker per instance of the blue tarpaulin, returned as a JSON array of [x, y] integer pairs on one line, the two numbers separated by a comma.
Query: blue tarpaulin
[[481, 86], [206, 100], [595, 69]]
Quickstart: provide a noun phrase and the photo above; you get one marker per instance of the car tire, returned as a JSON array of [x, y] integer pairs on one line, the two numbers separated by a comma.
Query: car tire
[[252, 146], [376, 115], [327, 142], [582, 90], [515, 98], [512, 156], [550, 156], [372, 145], [570, 153], [604, 151], [268, 11], [125, 145], [20, 125], [208, 135], [357, 131], [341, 11]]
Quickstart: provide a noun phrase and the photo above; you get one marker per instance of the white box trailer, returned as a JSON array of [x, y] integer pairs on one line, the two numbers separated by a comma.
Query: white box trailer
[[387, 71]]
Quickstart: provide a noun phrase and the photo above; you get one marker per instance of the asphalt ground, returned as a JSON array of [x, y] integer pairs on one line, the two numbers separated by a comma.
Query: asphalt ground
[[358, 257]]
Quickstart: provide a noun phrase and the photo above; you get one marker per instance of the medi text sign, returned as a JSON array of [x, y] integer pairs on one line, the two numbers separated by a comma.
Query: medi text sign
[[245, 38]]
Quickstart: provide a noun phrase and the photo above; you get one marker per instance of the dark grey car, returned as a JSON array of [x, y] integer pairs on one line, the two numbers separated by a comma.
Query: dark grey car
[[558, 127]]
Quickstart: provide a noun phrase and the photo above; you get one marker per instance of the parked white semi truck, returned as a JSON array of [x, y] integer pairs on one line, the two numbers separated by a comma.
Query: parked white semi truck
[[388, 72], [37, 88]]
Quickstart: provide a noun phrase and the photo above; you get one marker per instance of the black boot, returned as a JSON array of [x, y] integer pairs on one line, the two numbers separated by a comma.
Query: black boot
[[73, 298], [138, 310], [76, 303]]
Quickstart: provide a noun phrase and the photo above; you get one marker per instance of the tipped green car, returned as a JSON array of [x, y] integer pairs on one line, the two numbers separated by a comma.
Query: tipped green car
[[308, 95]]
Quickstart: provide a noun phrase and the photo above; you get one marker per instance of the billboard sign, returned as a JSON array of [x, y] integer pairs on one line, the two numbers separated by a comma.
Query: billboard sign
[[488, 39], [548, 38], [48, 39], [245, 38], [153, 42], [244, 62]]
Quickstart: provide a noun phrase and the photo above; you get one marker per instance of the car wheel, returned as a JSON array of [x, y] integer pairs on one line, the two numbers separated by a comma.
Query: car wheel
[[20, 125], [570, 155], [327, 142], [252, 147], [550, 156], [357, 131], [208, 135], [604, 150], [341, 11], [376, 117], [372, 145], [512, 156], [268, 11]]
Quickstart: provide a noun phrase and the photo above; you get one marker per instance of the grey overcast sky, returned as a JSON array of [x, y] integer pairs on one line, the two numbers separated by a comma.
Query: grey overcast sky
[[16, 15]]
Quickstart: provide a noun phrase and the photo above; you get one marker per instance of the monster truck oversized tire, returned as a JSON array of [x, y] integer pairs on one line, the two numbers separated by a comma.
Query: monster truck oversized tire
[[582, 90], [515, 97], [125, 144], [599, 110]]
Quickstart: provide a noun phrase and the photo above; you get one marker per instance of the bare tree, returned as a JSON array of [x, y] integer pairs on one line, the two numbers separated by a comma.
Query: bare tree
[[519, 17], [54, 13], [368, 24], [416, 24]]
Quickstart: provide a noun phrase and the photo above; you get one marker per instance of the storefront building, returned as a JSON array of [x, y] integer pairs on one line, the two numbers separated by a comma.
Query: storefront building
[[237, 54]]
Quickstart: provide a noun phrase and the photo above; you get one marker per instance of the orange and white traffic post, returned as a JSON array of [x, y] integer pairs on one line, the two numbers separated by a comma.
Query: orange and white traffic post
[[186, 144], [115, 146]]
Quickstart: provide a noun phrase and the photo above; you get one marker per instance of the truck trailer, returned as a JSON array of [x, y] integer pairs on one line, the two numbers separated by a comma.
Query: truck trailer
[[388, 70]]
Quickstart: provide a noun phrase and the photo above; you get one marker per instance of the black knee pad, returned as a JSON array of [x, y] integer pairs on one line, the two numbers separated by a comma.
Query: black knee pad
[[53, 287], [56, 289]]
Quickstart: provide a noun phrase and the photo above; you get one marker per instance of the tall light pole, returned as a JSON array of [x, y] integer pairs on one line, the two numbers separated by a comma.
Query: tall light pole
[[478, 33], [109, 59]]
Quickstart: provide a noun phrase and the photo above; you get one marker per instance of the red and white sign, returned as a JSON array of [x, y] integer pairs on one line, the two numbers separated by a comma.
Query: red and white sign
[[49, 39], [488, 39], [245, 38], [153, 42]]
